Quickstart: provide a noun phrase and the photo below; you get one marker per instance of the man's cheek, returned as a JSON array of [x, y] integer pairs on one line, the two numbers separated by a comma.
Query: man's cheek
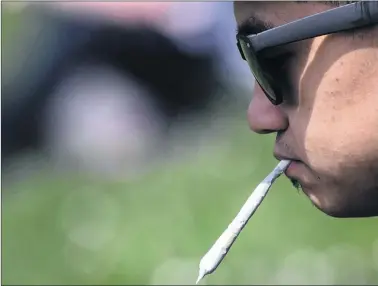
[[323, 144], [331, 146]]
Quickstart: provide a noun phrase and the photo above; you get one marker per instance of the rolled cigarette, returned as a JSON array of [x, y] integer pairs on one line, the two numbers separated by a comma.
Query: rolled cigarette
[[219, 250]]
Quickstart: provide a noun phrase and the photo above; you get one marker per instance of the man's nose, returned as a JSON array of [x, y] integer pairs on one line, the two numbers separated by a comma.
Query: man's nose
[[263, 116]]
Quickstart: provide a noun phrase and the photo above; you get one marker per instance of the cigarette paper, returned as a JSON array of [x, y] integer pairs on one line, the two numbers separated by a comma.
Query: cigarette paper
[[219, 250]]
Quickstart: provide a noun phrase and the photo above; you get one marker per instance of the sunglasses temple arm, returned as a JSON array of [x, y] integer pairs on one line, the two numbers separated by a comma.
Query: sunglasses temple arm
[[335, 20]]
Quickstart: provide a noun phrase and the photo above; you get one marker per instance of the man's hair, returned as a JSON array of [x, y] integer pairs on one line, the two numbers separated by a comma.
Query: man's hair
[[355, 34], [340, 3], [332, 3]]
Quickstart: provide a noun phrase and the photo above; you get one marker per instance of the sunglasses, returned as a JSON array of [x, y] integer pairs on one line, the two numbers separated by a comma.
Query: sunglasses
[[251, 47]]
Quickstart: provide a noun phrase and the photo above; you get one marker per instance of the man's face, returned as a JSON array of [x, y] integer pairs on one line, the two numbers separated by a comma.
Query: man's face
[[330, 122]]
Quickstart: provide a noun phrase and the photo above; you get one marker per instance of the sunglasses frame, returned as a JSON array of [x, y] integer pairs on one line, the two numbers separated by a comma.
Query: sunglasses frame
[[340, 19]]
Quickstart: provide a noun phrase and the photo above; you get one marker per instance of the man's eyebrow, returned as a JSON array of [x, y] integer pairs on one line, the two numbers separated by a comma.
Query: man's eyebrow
[[253, 25]]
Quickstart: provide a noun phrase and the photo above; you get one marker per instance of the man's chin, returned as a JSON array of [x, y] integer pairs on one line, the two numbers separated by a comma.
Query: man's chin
[[337, 212], [330, 206], [336, 200], [329, 210]]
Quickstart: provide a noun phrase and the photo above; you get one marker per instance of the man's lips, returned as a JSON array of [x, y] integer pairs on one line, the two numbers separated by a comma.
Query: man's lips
[[296, 170], [281, 157], [293, 166], [292, 171]]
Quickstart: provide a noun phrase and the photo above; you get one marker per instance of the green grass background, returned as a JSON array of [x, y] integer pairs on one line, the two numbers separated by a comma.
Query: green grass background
[[154, 230]]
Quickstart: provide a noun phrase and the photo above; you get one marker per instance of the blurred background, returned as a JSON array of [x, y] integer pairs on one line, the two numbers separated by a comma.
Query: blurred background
[[126, 153]]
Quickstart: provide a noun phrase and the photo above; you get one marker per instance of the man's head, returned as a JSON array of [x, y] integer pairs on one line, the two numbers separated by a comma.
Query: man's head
[[328, 119]]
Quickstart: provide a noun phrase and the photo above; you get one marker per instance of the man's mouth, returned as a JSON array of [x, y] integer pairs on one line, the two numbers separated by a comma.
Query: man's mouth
[[293, 168], [296, 172], [281, 157]]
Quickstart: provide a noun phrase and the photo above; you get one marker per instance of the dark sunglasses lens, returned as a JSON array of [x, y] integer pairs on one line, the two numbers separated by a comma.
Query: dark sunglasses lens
[[263, 77]]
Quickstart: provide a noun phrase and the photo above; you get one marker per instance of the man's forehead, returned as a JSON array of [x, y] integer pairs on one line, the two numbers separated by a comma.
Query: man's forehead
[[274, 13]]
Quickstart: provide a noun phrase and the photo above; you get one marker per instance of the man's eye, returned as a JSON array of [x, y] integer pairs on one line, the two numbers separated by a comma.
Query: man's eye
[[283, 62], [278, 62], [279, 67], [280, 70]]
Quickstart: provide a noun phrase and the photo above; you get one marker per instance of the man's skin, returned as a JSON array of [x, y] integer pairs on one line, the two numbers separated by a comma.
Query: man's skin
[[330, 122]]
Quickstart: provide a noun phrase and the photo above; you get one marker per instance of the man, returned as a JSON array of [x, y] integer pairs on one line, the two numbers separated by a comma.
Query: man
[[319, 95]]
